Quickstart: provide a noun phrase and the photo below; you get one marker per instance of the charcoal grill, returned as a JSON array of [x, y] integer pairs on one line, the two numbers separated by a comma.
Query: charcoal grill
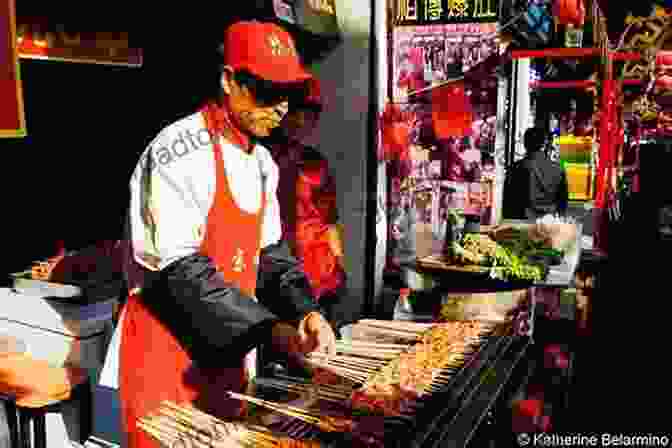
[[455, 415]]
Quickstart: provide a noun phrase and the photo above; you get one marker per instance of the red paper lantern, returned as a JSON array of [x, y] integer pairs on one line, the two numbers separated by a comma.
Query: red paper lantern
[[570, 12]]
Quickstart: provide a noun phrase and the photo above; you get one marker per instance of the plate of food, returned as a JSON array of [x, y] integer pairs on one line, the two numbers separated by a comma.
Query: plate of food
[[479, 253]]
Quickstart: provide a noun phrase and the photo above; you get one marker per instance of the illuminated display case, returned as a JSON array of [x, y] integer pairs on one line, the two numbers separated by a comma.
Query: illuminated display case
[[576, 159]]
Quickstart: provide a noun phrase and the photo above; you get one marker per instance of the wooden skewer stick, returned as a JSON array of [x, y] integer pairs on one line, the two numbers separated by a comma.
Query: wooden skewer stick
[[370, 348], [352, 364], [322, 395], [346, 373], [211, 424], [397, 324], [291, 411], [374, 354], [393, 332], [187, 435], [332, 388], [186, 426], [370, 344], [158, 435], [348, 358]]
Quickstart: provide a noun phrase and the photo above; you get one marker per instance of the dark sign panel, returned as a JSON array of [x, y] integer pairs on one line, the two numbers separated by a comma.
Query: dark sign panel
[[12, 121], [54, 42], [424, 12]]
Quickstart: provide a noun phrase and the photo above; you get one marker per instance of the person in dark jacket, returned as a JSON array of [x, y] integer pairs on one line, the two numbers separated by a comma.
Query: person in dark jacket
[[536, 186]]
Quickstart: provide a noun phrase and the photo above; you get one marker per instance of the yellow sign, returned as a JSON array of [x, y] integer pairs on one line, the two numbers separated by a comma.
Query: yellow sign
[[433, 10], [445, 11], [457, 8], [485, 9], [407, 10]]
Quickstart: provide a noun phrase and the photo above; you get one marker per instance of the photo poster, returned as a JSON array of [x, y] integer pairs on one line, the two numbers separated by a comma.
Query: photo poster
[[441, 174], [12, 118], [428, 55]]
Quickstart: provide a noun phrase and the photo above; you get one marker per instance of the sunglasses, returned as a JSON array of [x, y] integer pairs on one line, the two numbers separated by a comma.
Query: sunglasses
[[269, 93]]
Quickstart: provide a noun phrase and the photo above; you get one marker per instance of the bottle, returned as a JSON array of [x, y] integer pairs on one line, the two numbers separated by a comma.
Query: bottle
[[403, 309]]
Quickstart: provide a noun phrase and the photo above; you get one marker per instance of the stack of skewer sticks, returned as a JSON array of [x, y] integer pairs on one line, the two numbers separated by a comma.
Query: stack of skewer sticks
[[332, 393], [176, 426], [434, 348], [325, 423]]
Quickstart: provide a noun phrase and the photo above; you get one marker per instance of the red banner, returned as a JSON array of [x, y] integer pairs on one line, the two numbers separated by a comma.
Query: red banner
[[12, 119]]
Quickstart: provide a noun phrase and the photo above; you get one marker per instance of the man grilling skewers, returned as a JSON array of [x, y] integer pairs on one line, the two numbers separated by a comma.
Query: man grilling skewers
[[204, 229]]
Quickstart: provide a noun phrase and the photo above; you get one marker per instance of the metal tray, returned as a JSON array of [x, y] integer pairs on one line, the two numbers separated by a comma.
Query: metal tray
[[24, 284]]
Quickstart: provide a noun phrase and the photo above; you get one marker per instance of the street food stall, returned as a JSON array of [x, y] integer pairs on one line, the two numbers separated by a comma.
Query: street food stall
[[452, 363]]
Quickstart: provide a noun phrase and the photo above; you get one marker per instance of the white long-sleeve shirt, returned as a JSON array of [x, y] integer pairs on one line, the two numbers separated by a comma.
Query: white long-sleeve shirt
[[172, 191]]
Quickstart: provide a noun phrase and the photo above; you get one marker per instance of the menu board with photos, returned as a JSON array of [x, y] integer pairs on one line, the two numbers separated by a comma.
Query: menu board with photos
[[427, 55], [12, 119]]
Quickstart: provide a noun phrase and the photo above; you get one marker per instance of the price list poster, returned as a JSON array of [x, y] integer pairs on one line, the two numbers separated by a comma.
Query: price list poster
[[12, 119]]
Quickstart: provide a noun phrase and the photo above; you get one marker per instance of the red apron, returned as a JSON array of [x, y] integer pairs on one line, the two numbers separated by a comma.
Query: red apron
[[153, 365]]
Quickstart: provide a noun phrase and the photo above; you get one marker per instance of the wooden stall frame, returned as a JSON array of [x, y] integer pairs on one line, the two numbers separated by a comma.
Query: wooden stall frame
[[21, 131]]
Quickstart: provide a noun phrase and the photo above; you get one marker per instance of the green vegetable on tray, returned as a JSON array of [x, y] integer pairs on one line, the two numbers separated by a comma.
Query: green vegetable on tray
[[507, 261]]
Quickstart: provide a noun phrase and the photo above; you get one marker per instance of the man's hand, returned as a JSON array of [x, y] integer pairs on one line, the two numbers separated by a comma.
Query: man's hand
[[316, 334]]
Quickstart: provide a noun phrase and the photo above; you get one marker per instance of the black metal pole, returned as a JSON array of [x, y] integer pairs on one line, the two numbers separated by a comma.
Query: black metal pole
[[371, 238]]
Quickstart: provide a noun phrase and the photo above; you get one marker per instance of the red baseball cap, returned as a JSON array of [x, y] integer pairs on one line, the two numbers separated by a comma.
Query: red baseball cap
[[265, 50]]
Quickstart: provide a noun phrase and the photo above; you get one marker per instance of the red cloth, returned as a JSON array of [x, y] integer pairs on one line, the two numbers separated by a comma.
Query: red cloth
[[307, 196], [154, 366], [570, 12], [395, 127], [451, 111], [265, 50], [608, 135]]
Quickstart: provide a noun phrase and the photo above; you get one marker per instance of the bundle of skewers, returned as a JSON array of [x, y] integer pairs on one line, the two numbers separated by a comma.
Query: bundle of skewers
[[393, 376], [328, 393], [175, 426], [364, 431], [325, 423]]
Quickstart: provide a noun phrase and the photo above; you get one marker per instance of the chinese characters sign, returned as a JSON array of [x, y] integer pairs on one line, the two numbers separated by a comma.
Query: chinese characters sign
[[53, 42], [12, 121], [408, 12]]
